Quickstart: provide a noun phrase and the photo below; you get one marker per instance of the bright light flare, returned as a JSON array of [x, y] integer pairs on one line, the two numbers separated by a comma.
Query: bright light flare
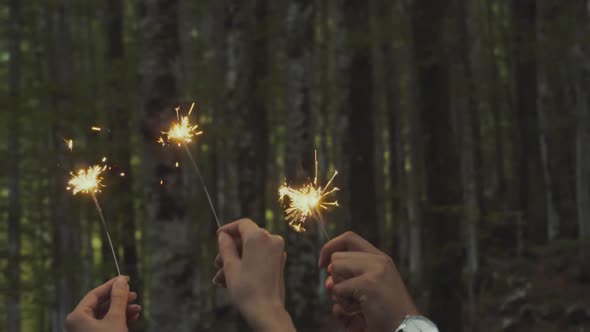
[[87, 181], [307, 201], [181, 131], [69, 144]]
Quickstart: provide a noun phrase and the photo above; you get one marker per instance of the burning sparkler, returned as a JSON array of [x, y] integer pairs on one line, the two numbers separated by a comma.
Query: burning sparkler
[[181, 133], [308, 201], [89, 181]]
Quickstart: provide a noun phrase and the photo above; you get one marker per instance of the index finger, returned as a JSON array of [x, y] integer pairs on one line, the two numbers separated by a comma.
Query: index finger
[[92, 299], [239, 228], [348, 241]]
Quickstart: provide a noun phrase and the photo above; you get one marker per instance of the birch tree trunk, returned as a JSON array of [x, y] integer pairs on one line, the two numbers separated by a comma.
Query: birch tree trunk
[[543, 95], [13, 304], [302, 248], [172, 268]]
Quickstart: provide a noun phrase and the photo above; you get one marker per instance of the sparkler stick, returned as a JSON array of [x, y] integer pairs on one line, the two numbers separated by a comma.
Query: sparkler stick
[[104, 225], [88, 181], [307, 202], [196, 167], [181, 133]]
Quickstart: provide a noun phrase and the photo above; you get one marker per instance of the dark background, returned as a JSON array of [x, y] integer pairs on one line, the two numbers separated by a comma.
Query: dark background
[[461, 131]]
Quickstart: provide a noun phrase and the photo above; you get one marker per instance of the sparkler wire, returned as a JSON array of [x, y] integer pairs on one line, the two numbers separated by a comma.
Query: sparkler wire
[[196, 167], [104, 225]]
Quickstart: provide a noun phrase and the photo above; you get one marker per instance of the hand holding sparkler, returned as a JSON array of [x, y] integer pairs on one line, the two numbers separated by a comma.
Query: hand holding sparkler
[[251, 264], [105, 308], [89, 181]]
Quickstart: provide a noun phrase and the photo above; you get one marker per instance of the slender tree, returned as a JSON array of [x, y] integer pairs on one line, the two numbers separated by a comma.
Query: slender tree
[[360, 110], [120, 122], [14, 204], [543, 96], [527, 153], [441, 158], [467, 106], [582, 143]]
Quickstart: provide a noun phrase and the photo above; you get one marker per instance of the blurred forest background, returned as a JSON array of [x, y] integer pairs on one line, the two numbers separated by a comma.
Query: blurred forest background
[[461, 131]]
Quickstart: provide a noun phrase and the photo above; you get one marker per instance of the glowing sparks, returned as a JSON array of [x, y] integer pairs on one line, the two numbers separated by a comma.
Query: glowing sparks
[[307, 201], [177, 164], [95, 128], [87, 181], [69, 144], [181, 131], [122, 174], [104, 159]]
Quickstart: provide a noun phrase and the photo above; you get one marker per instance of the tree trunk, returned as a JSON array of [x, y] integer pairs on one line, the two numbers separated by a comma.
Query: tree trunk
[[543, 95], [415, 154], [360, 110], [442, 165], [582, 82], [170, 236], [525, 86], [120, 121], [13, 310], [302, 249], [394, 115], [59, 60], [467, 107]]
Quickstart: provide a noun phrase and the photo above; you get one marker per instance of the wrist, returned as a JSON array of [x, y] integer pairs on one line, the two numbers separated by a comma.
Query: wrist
[[271, 318]]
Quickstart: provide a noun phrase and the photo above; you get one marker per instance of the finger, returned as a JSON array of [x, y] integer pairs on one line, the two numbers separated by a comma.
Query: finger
[[133, 310], [239, 228], [218, 263], [351, 289], [133, 319], [219, 279], [119, 296], [229, 254], [348, 267], [104, 306], [329, 283], [348, 241], [341, 314], [90, 302]]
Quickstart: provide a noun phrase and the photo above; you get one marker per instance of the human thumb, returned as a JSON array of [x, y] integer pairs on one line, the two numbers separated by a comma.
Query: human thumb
[[119, 296], [228, 252]]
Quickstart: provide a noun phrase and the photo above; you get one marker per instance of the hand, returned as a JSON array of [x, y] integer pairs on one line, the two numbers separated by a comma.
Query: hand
[[105, 309], [367, 289], [252, 262]]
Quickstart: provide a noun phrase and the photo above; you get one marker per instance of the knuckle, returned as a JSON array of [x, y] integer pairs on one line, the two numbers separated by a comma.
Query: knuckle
[[336, 256], [71, 319], [278, 241], [349, 235]]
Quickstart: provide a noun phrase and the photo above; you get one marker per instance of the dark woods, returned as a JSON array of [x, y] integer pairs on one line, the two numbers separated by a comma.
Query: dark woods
[[461, 131]]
